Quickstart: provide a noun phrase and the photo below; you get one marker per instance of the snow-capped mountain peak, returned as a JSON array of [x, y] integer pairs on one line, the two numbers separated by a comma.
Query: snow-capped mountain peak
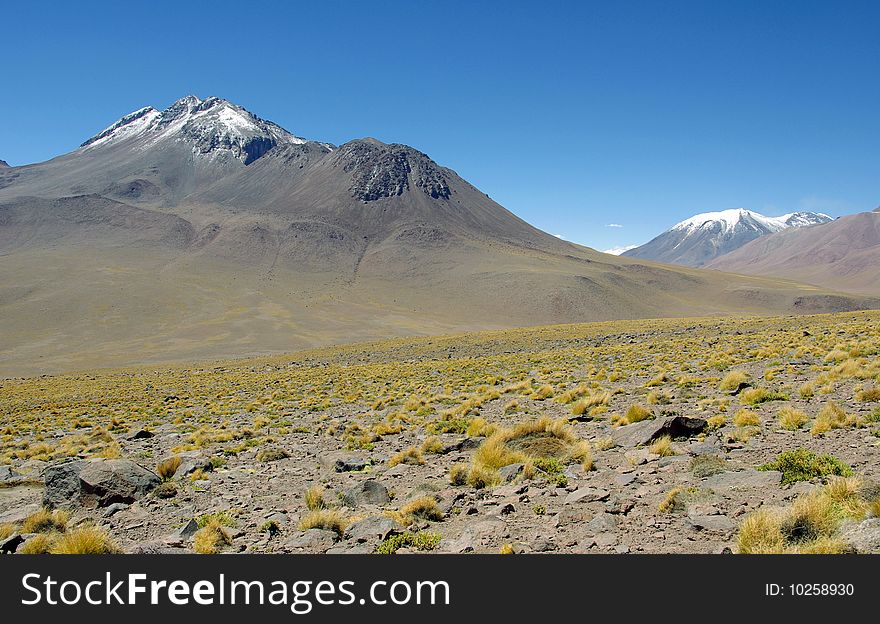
[[212, 127], [705, 236]]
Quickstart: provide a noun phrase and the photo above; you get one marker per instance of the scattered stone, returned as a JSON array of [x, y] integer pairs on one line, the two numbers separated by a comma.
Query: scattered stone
[[14, 516], [864, 536], [191, 462], [743, 479], [372, 530], [343, 462], [603, 522], [624, 479], [11, 543], [114, 509], [586, 495], [543, 545], [506, 491], [312, 540], [510, 472], [713, 523], [464, 444], [155, 548], [187, 530], [508, 509], [141, 434], [606, 540], [97, 482], [369, 492], [618, 505], [356, 549], [573, 514], [575, 471], [9, 477], [640, 433]]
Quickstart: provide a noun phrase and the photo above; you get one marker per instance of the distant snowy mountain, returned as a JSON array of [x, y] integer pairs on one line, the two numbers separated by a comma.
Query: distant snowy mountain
[[4, 164], [703, 237]]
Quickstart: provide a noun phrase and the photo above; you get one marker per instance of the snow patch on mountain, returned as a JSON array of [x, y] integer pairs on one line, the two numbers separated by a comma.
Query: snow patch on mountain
[[212, 127]]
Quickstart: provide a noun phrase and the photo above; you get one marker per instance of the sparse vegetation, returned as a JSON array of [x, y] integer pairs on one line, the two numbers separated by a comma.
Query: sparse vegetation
[[419, 540], [803, 465]]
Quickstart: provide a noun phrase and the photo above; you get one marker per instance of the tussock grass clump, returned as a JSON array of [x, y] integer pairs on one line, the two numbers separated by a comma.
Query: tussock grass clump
[[167, 468], [754, 396], [165, 490], [715, 422], [211, 538], [662, 446], [733, 380], [6, 530], [458, 474], [39, 544], [599, 399], [868, 395], [84, 541], [703, 466], [271, 454], [327, 519], [746, 418], [543, 393], [46, 521], [831, 416], [479, 477], [527, 442], [223, 518], [479, 427], [314, 498], [423, 508], [419, 540], [792, 419], [604, 443], [635, 413], [803, 465], [658, 380], [659, 397], [808, 526], [679, 498], [432, 445], [412, 455]]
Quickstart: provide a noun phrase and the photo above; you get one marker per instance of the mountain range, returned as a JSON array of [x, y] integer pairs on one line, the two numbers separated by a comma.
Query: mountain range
[[702, 238], [203, 231], [843, 254]]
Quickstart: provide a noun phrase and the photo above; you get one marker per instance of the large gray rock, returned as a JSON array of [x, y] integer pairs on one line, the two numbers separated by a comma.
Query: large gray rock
[[312, 540], [644, 432], [743, 480], [369, 492], [9, 477], [190, 463], [864, 536], [712, 523], [343, 461], [510, 472], [96, 482], [586, 495], [372, 530]]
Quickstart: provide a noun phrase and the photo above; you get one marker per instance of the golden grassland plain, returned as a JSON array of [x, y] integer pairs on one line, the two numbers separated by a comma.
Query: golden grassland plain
[[440, 421]]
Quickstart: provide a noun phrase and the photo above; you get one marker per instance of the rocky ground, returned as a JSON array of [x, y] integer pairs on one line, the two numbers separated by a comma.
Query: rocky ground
[[252, 438]]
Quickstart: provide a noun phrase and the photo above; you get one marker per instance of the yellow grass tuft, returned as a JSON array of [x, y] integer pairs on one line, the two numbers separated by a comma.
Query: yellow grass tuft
[[84, 541]]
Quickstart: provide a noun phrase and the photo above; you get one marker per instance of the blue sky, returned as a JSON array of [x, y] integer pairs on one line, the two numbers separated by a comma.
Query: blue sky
[[577, 116]]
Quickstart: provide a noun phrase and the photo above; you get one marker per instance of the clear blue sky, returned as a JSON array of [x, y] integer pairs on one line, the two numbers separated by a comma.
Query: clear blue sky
[[573, 115]]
